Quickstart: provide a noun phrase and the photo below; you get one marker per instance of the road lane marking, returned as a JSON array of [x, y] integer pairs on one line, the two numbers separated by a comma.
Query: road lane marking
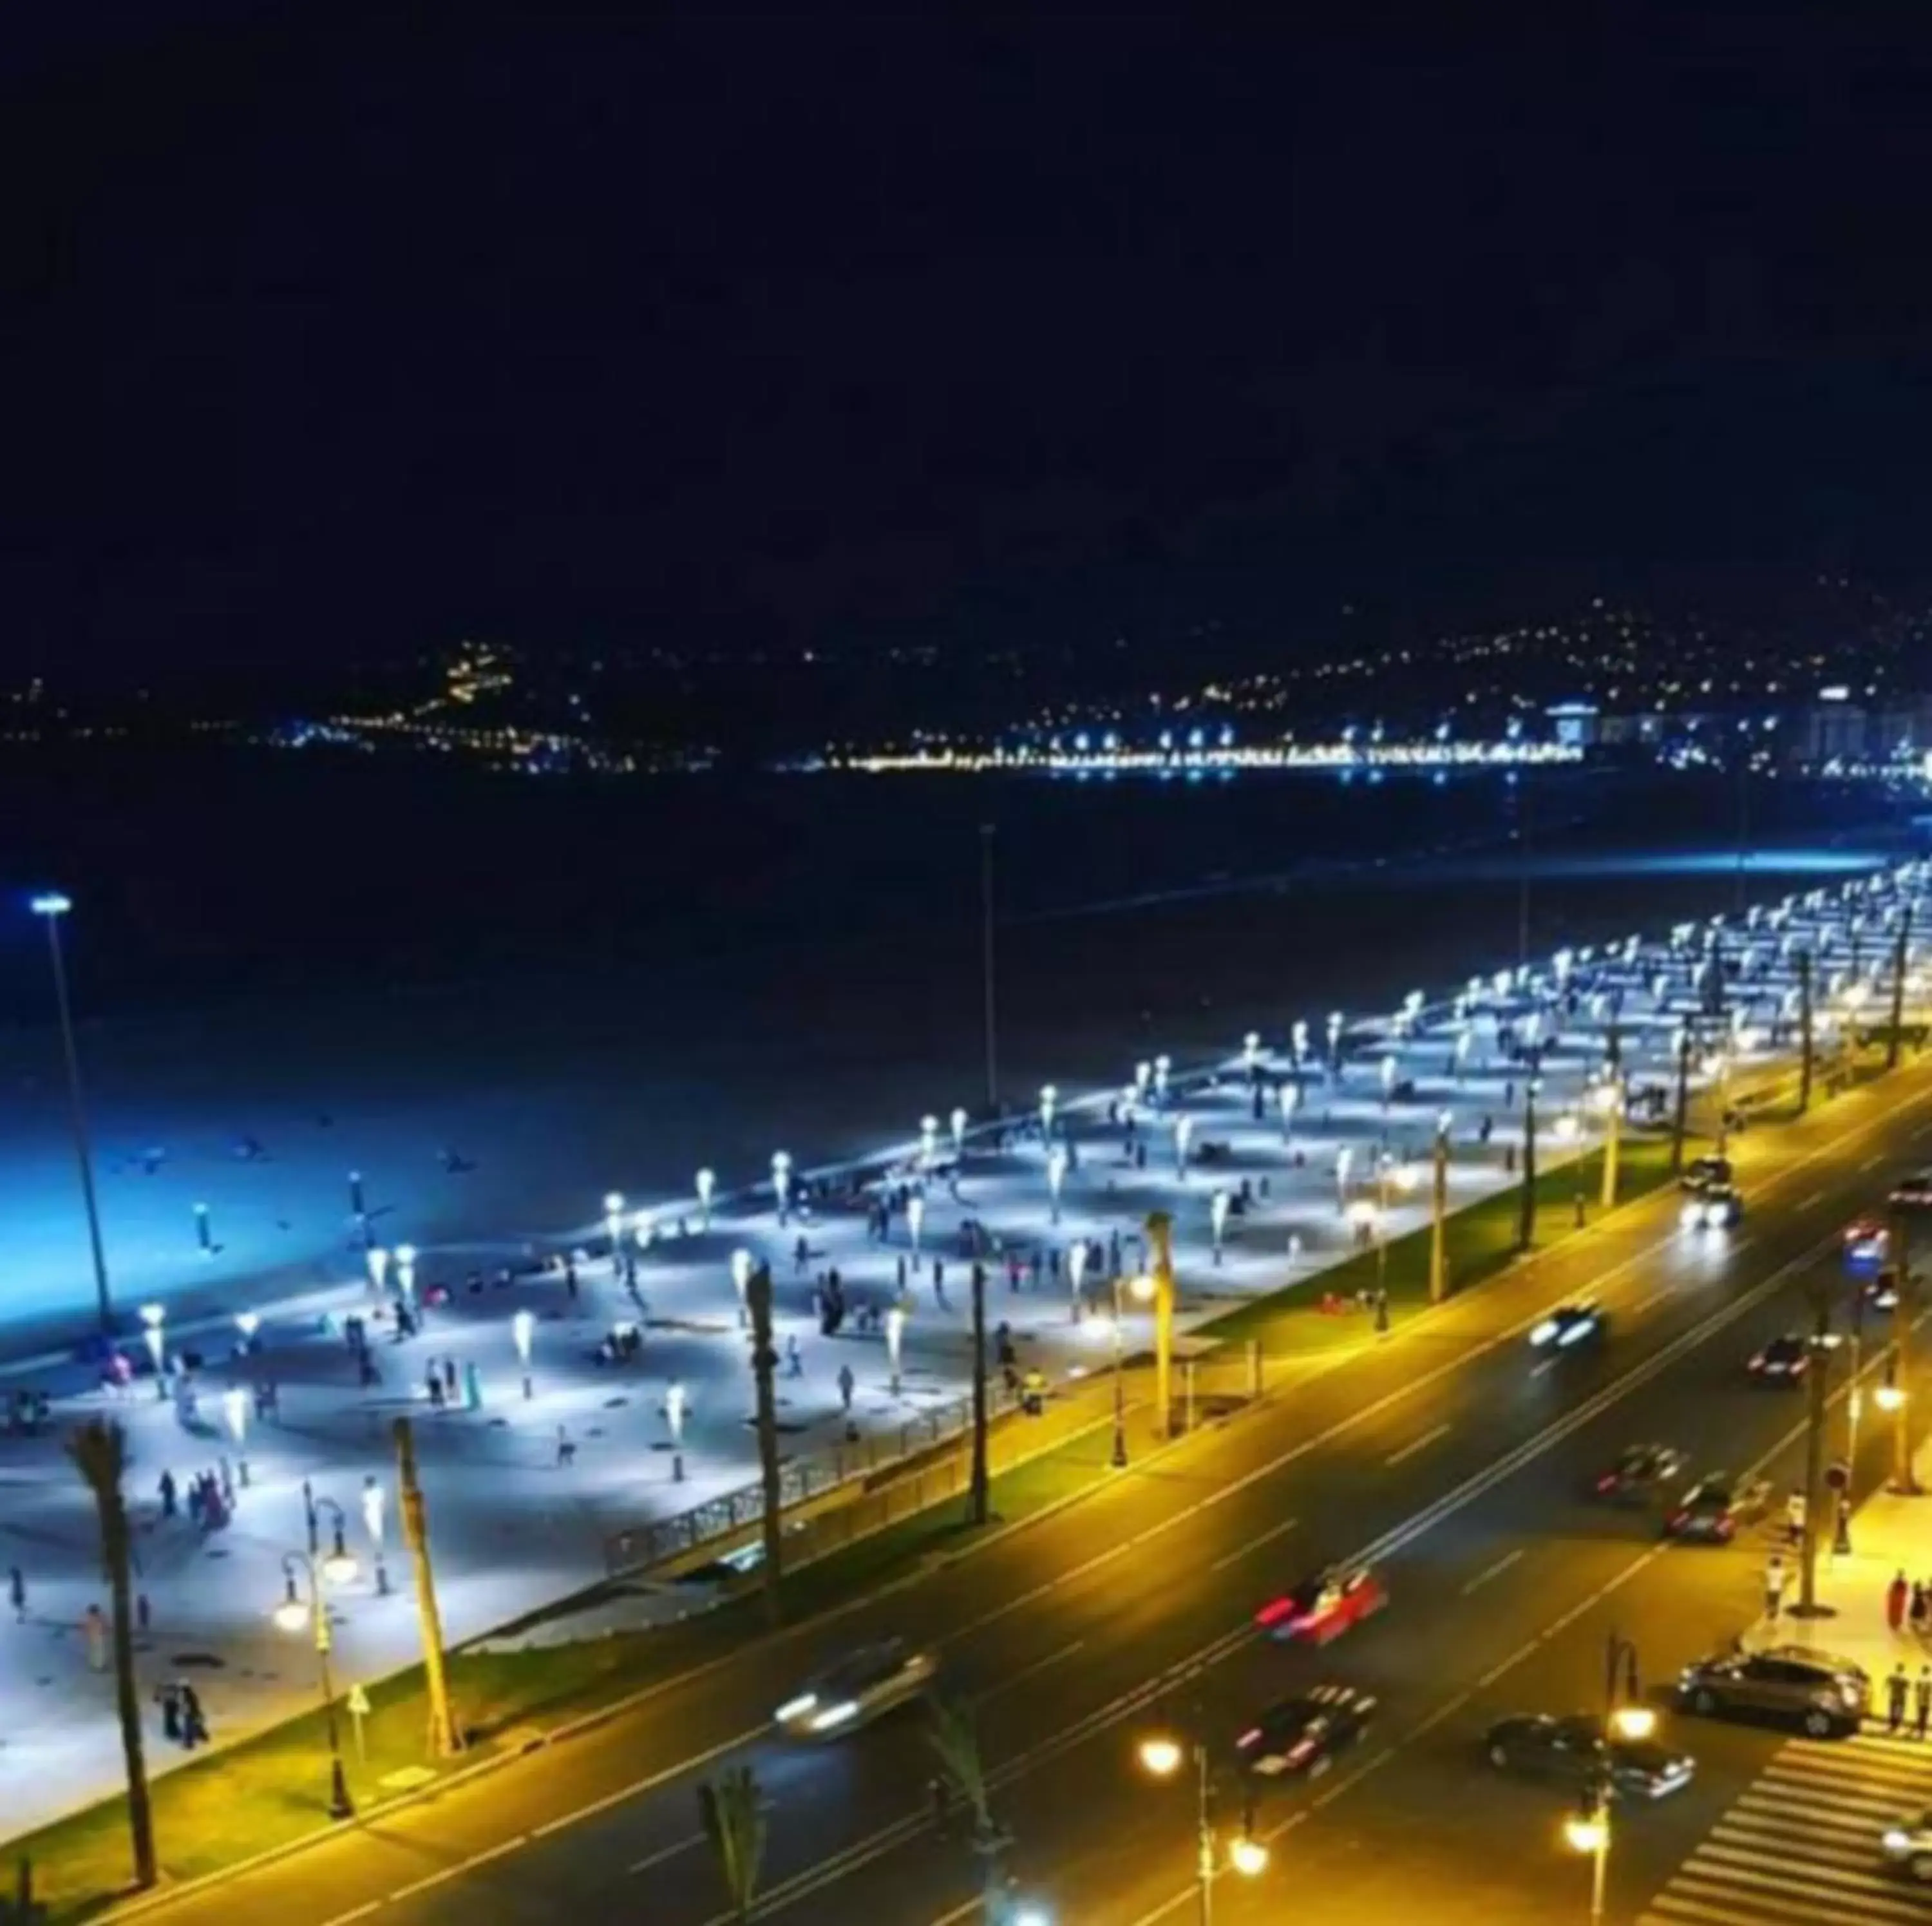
[[665, 1852], [1816, 1198], [1644, 1303], [360, 1912], [651, 1783], [1515, 1658], [1421, 1444], [1496, 1570], [460, 1866], [1872, 1162], [1254, 1544], [1027, 1671]]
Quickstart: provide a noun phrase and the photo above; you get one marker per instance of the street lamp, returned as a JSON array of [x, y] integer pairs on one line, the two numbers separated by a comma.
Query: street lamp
[[1076, 1272], [1162, 1756], [1388, 1078], [1143, 1072], [674, 1408], [153, 1317], [1056, 1175], [338, 1565], [707, 1181], [741, 1278], [1290, 1096], [523, 1326], [234, 1409], [1049, 1096], [248, 1322], [374, 1501], [895, 1319], [204, 1236], [406, 1272], [781, 1183], [1183, 1129], [295, 1614], [1217, 1216], [915, 1211], [1161, 1066], [378, 1260], [52, 905], [928, 1140], [957, 1120], [613, 1222], [1251, 1051], [644, 1229]]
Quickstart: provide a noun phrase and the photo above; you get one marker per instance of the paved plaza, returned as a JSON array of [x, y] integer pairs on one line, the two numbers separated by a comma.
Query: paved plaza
[[588, 1383]]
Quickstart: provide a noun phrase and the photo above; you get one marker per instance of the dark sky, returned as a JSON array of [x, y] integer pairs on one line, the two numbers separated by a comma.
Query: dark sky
[[323, 333]]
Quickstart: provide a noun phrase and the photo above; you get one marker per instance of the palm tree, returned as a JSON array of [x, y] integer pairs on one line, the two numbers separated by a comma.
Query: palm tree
[[954, 1737], [764, 1363], [732, 1808], [99, 1453]]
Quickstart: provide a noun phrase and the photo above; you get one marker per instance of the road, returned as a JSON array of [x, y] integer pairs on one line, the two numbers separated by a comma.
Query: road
[[1444, 1451]]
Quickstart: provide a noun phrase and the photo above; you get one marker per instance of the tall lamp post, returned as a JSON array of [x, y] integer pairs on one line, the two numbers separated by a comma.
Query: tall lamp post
[[51, 905], [1624, 1717], [297, 1613], [1162, 1756]]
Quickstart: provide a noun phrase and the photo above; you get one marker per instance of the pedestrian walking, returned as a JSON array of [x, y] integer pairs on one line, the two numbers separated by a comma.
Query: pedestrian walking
[[1897, 1595], [166, 1488], [902, 1273], [1794, 1518], [794, 1363], [1776, 1579], [1897, 1688], [1917, 1613], [143, 1613], [16, 1593], [566, 1449], [193, 1721], [845, 1386], [93, 1626], [1921, 1703], [449, 1379]]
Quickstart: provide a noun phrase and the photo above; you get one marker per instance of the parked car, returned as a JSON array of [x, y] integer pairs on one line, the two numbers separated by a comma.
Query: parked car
[[1826, 1696]]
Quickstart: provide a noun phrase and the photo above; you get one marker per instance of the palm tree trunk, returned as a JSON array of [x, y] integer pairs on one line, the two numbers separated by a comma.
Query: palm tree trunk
[[764, 1363]]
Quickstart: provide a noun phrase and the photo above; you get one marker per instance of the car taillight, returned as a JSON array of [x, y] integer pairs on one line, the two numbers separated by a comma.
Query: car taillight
[[1678, 1520], [1252, 1736], [1300, 1750], [1273, 1615], [1607, 1482]]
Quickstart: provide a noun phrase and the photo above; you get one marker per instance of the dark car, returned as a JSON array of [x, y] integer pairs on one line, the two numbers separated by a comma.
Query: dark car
[[1571, 1752], [1566, 1326], [1791, 1684], [1643, 1472], [1715, 1207], [1782, 1362], [1712, 1510], [1301, 1737], [1881, 1293], [1913, 1193], [1702, 1172]]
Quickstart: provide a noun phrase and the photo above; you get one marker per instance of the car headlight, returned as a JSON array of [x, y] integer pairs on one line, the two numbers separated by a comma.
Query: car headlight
[[1894, 1840], [796, 1708], [846, 1710], [1543, 1331], [1690, 1216]]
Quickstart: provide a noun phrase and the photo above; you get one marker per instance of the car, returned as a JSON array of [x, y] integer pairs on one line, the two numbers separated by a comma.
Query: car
[[1912, 1193], [1574, 1751], [1827, 1697], [1301, 1737], [1715, 1207], [1325, 1607], [1867, 1240], [1701, 1173], [1784, 1361], [1568, 1325], [864, 1685], [1640, 1473], [1712, 1510], [1907, 1843], [1880, 1292]]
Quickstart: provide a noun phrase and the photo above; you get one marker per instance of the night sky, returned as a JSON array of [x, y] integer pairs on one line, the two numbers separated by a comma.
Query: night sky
[[324, 334]]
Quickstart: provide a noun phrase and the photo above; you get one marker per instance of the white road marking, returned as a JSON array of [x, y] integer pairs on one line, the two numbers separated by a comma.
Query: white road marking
[[670, 1851], [1496, 1570], [1027, 1671], [461, 1866], [1809, 1202], [1872, 1163], [1241, 1551], [1421, 1444]]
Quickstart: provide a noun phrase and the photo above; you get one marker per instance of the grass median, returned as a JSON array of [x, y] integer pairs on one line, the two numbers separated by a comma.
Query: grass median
[[270, 1790]]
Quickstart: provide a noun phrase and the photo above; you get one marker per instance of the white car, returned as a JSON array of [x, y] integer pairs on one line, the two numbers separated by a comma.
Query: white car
[[1907, 1843], [1716, 1208], [862, 1687]]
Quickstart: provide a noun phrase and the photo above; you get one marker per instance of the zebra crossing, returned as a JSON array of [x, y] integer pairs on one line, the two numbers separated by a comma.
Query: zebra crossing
[[1800, 1847]]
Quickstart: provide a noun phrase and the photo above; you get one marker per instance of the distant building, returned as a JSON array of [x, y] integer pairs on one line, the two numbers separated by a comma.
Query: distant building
[[1576, 725], [1833, 729]]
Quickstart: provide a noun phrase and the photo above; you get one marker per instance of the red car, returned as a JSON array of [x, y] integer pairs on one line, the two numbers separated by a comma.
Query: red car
[[1323, 1607]]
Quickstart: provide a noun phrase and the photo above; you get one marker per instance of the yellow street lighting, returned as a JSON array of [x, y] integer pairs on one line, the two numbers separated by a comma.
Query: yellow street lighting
[[1888, 1397], [292, 1614], [1249, 1857], [1142, 1288], [1587, 1832], [1633, 1722], [1161, 1756]]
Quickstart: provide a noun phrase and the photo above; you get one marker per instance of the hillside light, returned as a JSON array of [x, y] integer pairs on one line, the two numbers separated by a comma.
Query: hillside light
[[379, 1267], [613, 1218], [1251, 1051], [1163, 1066], [522, 1328], [741, 1279], [782, 1182], [1143, 1075], [707, 1182], [1056, 1175], [406, 1271], [1290, 1096]]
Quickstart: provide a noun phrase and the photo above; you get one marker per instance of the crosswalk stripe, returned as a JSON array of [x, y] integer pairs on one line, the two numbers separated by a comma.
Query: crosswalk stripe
[[1887, 1771], [1669, 1908], [1784, 1795], [1812, 1874], [1779, 1841], [1775, 1896]]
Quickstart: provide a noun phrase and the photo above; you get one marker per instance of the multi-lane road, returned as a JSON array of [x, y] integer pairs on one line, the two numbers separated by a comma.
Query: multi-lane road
[[1450, 1453]]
